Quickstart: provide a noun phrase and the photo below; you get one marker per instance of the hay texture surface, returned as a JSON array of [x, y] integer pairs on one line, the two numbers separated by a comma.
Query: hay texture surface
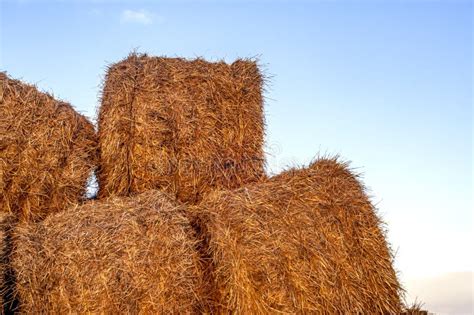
[[304, 241], [118, 256], [183, 126], [5, 222], [47, 152]]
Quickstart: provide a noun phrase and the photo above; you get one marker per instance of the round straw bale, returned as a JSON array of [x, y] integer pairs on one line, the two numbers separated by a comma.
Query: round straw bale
[[305, 241], [124, 255], [182, 126], [47, 152]]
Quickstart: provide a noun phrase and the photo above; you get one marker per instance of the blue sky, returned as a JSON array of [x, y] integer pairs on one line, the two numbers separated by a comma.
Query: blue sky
[[384, 84]]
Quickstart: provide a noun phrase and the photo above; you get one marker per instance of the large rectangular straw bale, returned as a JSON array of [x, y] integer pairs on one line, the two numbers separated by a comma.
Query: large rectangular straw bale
[[183, 126], [305, 241], [47, 151], [128, 255]]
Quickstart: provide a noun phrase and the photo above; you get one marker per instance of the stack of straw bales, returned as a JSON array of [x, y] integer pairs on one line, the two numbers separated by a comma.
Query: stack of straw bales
[[305, 241], [185, 127], [47, 152], [186, 220], [117, 256]]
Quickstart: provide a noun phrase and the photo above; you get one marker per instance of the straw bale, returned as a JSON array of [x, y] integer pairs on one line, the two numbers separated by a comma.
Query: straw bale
[[305, 241], [183, 126], [47, 151], [122, 255]]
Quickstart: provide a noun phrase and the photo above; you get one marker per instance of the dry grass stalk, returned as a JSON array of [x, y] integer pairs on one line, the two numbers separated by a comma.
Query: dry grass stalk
[[305, 241], [416, 308], [47, 151], [182, 126], [414, 311], [126, 255]]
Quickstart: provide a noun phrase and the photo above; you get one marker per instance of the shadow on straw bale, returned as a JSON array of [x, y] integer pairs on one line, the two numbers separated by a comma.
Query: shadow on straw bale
[[304, 241], [183, 126], [124, 255], [47, 152]]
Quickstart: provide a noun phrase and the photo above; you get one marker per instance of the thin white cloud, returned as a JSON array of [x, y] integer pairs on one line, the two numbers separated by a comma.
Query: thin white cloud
[[136, 16]]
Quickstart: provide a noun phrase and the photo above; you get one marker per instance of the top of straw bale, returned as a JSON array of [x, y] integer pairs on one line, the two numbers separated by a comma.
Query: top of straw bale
[[307, 240], [183, 126], [47, 151]]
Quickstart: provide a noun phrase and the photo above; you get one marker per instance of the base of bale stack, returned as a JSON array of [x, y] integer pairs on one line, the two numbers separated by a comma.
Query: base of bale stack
[[182, 126], [305, 241], [47, 152], [117, 256]]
